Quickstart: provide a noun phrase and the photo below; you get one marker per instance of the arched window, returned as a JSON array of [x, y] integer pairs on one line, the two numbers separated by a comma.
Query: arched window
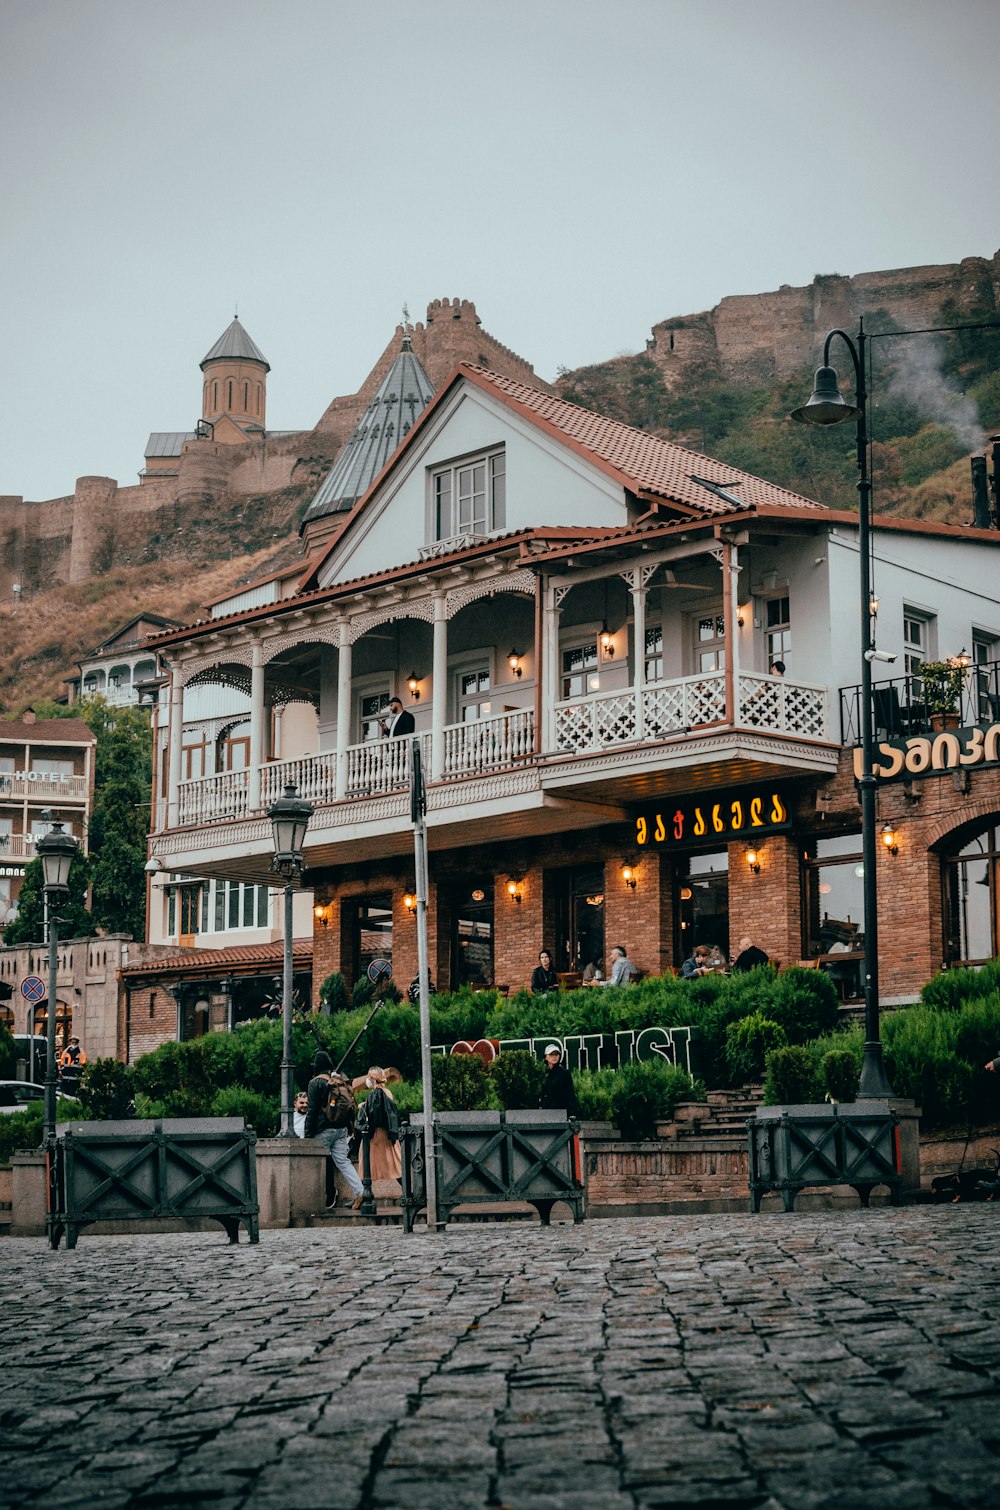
[[229, 403], [246, 397], [64, 1022], [972, 899], [215, 395]]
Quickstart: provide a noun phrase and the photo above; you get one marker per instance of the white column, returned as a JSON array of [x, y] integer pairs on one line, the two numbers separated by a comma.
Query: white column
[[343, 709], [733, 627], [256, 726], [550, 655], [278, 747], [439, 687], [638, 590], [174, 747]]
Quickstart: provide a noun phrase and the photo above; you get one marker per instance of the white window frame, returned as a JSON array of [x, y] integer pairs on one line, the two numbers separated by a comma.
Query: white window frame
[[591, 673], [472, 666], [449, 523], [777, 636], [700, 647], [915, 652]]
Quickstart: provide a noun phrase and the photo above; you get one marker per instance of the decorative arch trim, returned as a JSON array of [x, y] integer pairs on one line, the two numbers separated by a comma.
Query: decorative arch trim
[[421, 608], [985, 811], [516, 582], [328, 634]]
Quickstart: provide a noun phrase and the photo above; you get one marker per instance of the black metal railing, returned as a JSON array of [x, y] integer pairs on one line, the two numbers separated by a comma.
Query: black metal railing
[[899, 706]]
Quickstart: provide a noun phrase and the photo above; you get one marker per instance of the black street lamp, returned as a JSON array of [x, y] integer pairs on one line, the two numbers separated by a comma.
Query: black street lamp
[[289, 815], [55, 849], [827, 407]]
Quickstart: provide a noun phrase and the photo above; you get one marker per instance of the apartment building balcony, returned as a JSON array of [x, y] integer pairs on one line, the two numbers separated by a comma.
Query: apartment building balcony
[[17, 846], [902, 707], [36, 786]]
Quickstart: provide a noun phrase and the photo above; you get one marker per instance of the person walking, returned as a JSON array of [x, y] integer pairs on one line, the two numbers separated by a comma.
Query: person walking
[[558, 1092], [331, 1129]]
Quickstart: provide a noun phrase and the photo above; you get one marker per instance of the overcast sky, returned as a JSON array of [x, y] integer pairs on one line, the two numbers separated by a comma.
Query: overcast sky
[[580, 169]]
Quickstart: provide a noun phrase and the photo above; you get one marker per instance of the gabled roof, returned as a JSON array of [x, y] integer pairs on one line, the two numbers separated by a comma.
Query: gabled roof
[[46, 731], [654, 471], [402, 397], [238, 959], [235, 345]]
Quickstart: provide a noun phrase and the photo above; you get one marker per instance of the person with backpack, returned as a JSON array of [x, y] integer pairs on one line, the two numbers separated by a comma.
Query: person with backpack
[[330, 1120]]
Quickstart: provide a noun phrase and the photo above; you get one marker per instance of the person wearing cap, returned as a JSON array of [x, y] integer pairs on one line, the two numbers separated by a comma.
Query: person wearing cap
[[399, 721], [558, 1092], [71, 1063], [334, 1139]]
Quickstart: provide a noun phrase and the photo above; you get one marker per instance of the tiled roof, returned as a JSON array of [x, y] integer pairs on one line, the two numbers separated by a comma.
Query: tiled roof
[[645, 464], [49, 731], [235, 345], [209, 961]]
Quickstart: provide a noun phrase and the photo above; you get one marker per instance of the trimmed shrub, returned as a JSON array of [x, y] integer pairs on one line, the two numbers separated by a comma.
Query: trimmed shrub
[[262, 1113], [953, 989], [747, 1043], [362, 992], [460, 1083], [839, 1072], [593, 1093], [517, 1078], [790, 1078], [106, 1089], [644, 1094], [21, 1130], [8, 1053], [333, 995]]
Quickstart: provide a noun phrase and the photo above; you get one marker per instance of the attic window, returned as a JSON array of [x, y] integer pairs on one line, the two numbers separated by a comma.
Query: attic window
[[470, 497]]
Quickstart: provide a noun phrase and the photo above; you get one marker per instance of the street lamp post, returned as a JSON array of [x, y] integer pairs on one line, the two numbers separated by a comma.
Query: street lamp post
[[289, 815], [827, 407], [55, 849]]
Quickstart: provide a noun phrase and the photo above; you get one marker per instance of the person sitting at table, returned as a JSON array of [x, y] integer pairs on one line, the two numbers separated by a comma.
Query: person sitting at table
[[622, 969], [696, 963], [593, 972], [749, 956], [543, 977]]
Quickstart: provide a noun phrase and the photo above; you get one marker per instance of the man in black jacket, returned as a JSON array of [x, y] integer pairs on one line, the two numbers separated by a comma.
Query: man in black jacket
[[399, 723], [558, 1092], [749, 956]]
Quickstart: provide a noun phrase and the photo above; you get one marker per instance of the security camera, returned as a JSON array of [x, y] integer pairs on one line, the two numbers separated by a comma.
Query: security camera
[[152, 866], [880, 655]]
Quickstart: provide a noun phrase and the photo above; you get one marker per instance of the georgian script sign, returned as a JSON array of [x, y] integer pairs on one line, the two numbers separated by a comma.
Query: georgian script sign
[[595, 1051], [930, 755], [742, 815]]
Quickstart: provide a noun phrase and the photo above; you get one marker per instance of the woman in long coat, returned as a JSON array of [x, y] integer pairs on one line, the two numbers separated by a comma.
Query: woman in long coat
[[386, 1165]]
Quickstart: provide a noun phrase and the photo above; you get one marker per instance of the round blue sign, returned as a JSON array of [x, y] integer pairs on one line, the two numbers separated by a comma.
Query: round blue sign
[[379, 969], [32, 988]]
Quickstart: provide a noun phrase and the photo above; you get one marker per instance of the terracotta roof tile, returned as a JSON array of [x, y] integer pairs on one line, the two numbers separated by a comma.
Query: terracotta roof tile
[[643, 462], [207, 961]]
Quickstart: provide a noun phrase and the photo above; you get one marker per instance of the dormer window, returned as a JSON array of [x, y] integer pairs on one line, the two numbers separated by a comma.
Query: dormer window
[[470, 497]]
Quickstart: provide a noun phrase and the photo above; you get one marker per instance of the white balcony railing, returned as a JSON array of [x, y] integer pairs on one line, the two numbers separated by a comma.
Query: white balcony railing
[[506, 740], [383, 765], [314, 775], [17, 846], [213, 797], [39, 786], [771, 702], [613, 718], [489, 744]]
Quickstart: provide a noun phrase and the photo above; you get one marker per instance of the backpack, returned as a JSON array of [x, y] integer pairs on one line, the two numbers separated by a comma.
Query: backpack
[[338, 1108]]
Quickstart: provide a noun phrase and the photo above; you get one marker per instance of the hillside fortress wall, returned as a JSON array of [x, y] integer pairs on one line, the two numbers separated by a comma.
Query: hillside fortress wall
[[756, 338]]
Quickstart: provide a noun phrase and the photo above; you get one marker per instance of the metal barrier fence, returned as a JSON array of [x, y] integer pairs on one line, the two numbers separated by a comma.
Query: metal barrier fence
[[793, 1147]]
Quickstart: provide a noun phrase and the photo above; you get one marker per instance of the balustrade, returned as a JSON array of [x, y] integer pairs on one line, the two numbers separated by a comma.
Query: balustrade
[[314, 775], [382, 765], [489, 744], [221, 796]]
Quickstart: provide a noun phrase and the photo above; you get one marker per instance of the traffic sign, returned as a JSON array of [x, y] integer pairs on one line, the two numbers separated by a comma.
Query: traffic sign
[[32, 988], [379, 970]]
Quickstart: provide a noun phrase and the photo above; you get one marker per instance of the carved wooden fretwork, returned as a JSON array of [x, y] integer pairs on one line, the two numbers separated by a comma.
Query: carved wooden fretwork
[[325, 634], [234, 671], [417, 608], [515, 581], [559, 592], [636, 578]]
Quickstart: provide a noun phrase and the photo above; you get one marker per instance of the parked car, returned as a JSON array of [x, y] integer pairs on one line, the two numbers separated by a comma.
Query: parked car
[[18, 1095]]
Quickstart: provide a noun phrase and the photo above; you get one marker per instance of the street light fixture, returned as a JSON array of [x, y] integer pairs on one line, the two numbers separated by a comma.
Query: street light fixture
[[289, 815], [56, 850], [827, 407]]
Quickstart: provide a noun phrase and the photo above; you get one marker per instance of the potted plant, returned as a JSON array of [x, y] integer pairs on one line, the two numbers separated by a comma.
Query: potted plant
[[943, 683]]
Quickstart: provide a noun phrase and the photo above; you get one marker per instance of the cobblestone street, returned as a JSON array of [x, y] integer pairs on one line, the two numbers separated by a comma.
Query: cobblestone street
[[840, 1359]]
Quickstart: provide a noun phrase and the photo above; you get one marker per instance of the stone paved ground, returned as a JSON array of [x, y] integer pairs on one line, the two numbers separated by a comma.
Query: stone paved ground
[[842, 1359]]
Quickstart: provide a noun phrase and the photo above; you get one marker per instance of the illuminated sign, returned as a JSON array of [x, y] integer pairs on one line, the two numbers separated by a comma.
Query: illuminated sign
[[920, 755], [692, 821]]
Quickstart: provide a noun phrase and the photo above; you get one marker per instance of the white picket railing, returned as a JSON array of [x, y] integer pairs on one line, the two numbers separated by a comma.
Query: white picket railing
[[212, 797], [383, 765], [773, 702], [314, 775], [489, 744]]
